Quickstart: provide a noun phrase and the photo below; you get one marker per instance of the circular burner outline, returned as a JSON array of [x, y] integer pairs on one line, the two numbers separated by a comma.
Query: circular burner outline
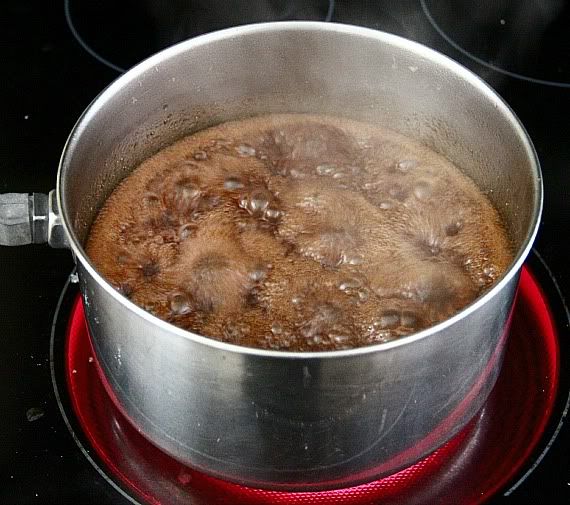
[[533, 462], [72, 279], [455, 45], [117, 68], [84, 44], [566, 407]]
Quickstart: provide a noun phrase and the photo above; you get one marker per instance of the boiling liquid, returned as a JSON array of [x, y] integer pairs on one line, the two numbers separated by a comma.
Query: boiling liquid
[[299, 233]]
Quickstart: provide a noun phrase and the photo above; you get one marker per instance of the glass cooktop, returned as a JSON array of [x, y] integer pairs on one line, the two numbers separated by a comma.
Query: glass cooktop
[[57, 56]]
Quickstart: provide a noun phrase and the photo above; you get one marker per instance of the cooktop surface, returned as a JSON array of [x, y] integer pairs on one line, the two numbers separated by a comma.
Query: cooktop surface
[[57, 56]]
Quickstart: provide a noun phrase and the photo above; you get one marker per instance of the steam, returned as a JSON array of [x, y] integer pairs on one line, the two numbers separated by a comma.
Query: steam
[[178, 20]]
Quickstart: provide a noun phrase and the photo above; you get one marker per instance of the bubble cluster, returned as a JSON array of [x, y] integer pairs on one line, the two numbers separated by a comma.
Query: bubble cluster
[[299, 233]]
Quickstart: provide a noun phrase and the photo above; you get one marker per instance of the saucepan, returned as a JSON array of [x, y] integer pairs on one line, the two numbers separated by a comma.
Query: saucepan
[[288, 420]]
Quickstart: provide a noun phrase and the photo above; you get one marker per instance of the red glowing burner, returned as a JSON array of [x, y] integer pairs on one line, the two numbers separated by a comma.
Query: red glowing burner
[[470, 468]]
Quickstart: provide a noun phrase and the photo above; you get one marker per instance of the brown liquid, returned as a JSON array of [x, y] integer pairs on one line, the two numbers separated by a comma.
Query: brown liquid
[[301, 233]]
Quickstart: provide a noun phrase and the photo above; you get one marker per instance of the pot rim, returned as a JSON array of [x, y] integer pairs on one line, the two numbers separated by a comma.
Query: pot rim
[[316, 26]]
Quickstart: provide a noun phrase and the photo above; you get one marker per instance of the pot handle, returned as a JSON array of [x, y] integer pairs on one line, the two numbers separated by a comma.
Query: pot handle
[[31, 219]]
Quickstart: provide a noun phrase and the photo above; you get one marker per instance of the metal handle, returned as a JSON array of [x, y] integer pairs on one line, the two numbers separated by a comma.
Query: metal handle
[[31, 219]]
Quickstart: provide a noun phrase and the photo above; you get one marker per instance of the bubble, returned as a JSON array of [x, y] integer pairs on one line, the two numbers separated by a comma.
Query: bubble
[[326, 169], [371, 186], [349, 284], [276, 329], [184, 231], [323, 317], [453, 228], [352, 259], [179, 304], [200, 155], [284, 342], [444, 289], [186, 195], [235, 331], [245, 150], [387, 319], [363, 294], [398, 192], [151, 199], [297, 300], [233, 183], [258, 274], [331, 248], [252, 298], [422, 190], [376, 336], [488, 275], [217, 282], [386, 205], [408, 319], [490, 271], [338, 338], [297, 174], [406, 165], [434, 249], [256, 202], [220, 142], [186, 165], [272, 215], [188, 190], [311, 203], [209, 203]]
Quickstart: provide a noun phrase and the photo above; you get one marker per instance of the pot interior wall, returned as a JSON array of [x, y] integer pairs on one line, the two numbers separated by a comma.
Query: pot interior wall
[[299, 67]]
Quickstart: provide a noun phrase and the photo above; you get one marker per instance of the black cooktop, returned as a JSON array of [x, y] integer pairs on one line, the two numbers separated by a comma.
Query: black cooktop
[[57, 56]]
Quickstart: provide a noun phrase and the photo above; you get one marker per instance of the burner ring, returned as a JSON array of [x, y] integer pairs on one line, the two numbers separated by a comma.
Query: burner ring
[[127, 473], [566, 406], [121, 68], [481, 61]]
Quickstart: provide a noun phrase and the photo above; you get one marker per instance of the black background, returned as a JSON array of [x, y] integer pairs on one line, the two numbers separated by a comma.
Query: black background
[[48, 80]]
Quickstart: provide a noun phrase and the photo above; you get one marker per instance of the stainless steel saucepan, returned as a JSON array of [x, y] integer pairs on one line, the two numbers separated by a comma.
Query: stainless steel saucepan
[[273, 419]]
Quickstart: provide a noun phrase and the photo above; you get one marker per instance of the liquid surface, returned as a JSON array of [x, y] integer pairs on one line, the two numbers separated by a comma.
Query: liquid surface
[[299, 233]]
